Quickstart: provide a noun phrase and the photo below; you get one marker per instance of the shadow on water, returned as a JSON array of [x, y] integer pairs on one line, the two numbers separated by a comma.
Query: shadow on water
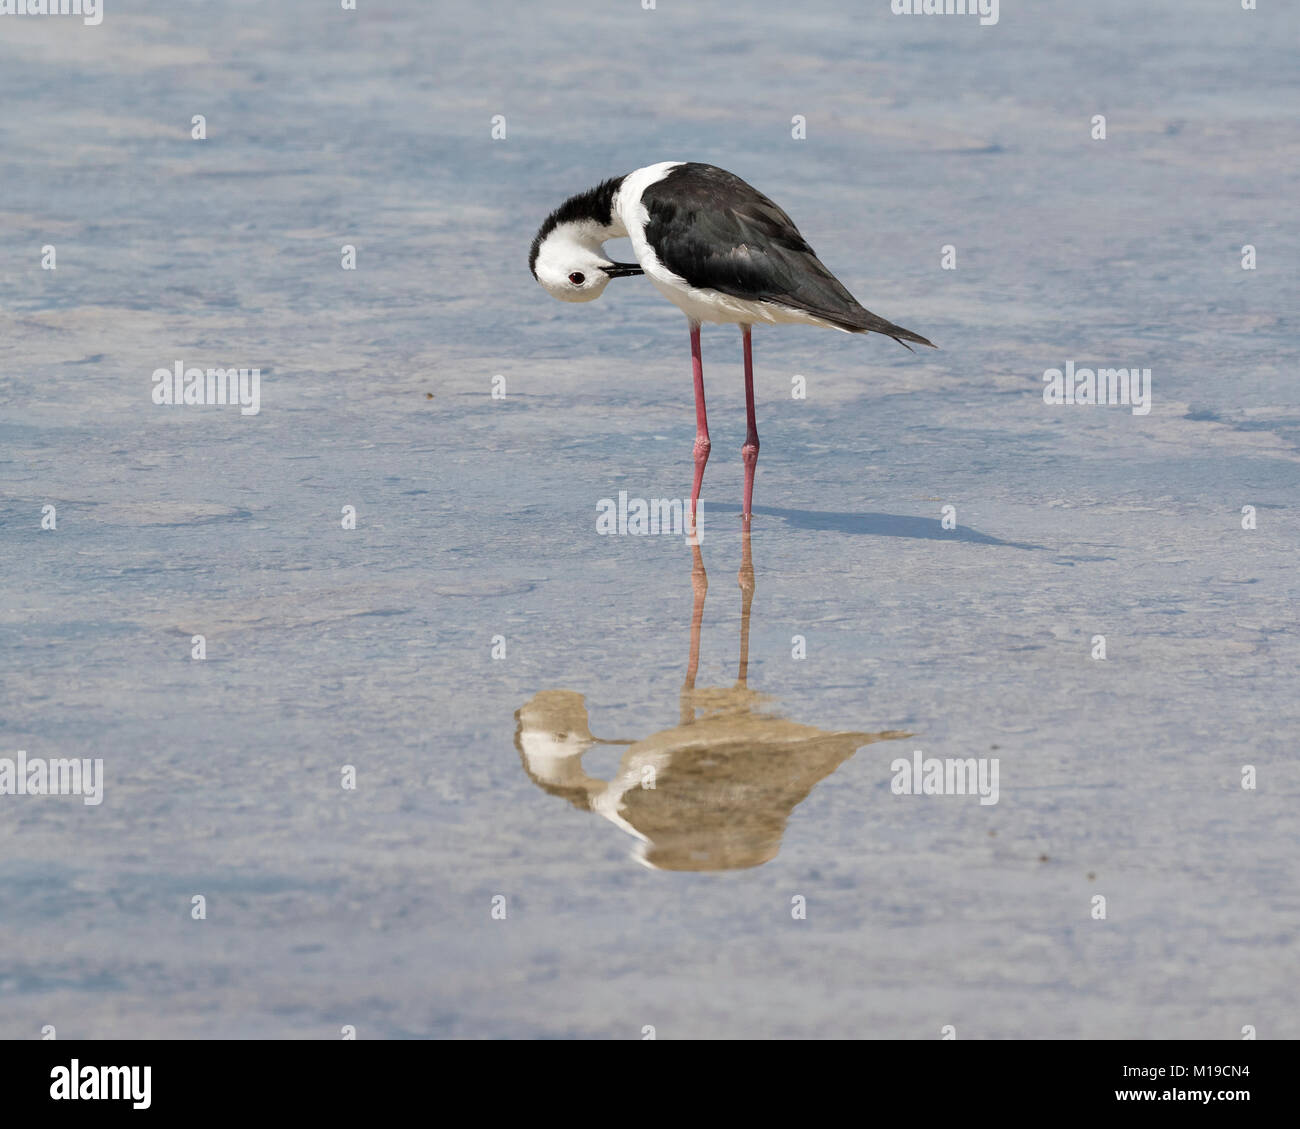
[[712, 793], [878, 525]]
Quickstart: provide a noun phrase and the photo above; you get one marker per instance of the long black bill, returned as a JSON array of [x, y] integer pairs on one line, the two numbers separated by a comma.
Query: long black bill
[[622, 270]]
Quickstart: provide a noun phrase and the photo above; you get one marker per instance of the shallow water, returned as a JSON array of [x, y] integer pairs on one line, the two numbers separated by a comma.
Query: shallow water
[[475, 519]]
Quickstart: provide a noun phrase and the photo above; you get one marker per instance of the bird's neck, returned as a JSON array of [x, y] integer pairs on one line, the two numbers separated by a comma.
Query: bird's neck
[[571, 240], [591, 234]]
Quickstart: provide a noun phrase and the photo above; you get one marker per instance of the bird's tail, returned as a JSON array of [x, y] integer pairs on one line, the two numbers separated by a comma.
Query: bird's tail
[[868, 322]]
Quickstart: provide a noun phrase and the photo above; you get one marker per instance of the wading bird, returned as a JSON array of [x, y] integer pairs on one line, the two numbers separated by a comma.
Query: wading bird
[[714, 246]]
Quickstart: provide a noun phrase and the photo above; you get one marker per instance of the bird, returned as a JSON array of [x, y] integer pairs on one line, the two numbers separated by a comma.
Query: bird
[[718, 249]]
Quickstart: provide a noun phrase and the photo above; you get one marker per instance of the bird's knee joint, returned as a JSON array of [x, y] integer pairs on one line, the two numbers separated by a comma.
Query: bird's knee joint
[[702, 448]]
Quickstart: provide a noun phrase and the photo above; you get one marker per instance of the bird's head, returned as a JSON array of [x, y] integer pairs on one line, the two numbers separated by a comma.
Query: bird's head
[[570, 262], [568, 256]]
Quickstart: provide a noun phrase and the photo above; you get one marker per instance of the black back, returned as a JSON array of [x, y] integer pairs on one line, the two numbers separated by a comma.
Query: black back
[[718, 233]]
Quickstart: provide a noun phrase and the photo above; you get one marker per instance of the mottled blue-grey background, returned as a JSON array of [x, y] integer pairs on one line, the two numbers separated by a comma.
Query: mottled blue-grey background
[[372, 647]]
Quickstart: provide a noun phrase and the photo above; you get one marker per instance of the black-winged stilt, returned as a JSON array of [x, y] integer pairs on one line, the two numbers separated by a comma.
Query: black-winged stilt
[[714, 246]]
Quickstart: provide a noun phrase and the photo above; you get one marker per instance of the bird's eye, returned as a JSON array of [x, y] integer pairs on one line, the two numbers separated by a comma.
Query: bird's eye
[[577, 278]]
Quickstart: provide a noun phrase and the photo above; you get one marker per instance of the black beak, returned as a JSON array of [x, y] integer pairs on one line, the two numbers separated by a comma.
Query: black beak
[[622, 270]]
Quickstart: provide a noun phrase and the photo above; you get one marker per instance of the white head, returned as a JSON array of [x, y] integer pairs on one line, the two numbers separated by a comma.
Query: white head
[[568, 256], [572, 265]]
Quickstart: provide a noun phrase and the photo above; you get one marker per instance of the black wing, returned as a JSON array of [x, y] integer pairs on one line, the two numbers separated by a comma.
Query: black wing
[[717, 232]]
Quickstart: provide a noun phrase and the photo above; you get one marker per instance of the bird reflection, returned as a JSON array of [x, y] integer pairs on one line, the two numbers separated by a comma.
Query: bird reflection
[[713, 793]]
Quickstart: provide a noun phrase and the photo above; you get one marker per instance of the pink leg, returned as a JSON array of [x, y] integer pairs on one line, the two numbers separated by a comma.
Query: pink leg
[[749, 452], [702, 443]]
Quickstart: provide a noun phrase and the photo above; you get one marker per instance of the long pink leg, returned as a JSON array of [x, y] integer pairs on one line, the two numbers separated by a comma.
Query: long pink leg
[[749, 452], [702, 443]]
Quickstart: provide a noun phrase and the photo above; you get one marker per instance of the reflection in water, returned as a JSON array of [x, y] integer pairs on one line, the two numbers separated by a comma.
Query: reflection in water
[[715, 792]]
